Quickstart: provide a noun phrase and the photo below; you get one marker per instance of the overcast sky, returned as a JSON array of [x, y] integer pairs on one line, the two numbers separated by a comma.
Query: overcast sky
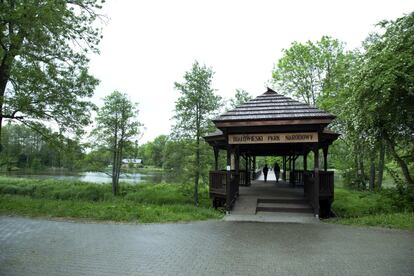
[[148, 45]]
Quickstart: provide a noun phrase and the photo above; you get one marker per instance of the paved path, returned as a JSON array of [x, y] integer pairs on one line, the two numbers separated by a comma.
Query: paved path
[[43, 247]]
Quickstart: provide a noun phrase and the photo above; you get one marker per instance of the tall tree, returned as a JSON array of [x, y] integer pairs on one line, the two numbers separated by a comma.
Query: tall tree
[[194, 109], [43, 61], [307, 71], [385, 90], [240, 98], [116, 124]]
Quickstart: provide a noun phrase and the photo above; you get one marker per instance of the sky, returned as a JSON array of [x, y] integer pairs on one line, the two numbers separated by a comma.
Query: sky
[[149, 45]]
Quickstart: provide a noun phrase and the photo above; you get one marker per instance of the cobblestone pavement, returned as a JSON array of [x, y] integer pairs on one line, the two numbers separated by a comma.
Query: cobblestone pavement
[[44, 247]]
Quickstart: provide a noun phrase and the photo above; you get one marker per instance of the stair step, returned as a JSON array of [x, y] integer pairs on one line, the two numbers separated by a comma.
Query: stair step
[[284, 205], [283, 209], [282, 200]]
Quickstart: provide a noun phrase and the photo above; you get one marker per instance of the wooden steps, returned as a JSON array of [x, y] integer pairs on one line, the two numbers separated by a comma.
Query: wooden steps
[[288, 205]]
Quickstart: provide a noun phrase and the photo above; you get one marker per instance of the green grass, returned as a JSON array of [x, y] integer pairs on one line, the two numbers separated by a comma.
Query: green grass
[[386, 208], [136, 203], [392, 220]]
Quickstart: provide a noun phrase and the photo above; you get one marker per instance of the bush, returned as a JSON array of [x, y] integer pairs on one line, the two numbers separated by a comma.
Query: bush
[[350, 203], [66, 190]]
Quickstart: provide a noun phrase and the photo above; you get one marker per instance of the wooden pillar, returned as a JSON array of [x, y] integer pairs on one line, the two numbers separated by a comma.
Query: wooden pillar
[[216, 155], [228, 178], [246, 174], [316, 182], [293, 180], [254, 167], [305, 161], [249, 171], [284, 168], [237, 169], [325, 158]]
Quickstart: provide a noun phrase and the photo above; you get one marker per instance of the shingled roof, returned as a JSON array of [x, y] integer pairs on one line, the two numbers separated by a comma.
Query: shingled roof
[[273, 106]]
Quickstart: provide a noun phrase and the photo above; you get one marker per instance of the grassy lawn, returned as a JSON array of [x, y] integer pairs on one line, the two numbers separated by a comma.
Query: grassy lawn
[[385, 209], [145, 203]]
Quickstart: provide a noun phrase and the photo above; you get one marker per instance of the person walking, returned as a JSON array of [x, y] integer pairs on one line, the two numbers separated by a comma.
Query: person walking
[[277, 171], [265, 171]]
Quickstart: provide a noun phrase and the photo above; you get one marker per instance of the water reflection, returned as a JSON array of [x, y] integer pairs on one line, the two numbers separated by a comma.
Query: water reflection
[[93, 177]]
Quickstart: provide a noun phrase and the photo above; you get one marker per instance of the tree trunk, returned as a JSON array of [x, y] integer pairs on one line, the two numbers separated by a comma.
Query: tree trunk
[[381, 165], [399, 160], [372, 174], [197, 172], [114, 160], [118, 165], [1, 126]]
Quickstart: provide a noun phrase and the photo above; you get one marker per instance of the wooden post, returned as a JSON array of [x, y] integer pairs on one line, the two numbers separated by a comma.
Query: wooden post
[[246, 176], [237, 169], [254, 167], [249, 172], [228, 178], [325, 158], [293, 180], [316, 183], [284, 168], [216, 155]]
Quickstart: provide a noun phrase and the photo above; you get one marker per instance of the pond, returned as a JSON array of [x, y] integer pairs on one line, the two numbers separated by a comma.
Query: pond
[[93, 177]]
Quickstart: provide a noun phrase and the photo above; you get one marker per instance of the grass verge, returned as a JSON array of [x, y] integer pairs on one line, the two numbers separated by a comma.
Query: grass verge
[[392, 220], [385, 209], [146, 203]]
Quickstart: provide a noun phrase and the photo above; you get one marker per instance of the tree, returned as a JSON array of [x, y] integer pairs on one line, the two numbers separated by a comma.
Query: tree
[[43, 61], [240, 98], [116, 124], [307, 71], [193, 111], [384, 90]]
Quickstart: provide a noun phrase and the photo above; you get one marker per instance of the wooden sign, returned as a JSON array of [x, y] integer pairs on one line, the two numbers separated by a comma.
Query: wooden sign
[[274, 138]]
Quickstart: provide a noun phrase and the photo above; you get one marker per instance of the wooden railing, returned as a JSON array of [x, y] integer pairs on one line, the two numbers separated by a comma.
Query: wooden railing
[[256, 174], [220, 191], [244, 178], [318, 187], [217, 182], [296, 178], [326, 186], [310, 190]]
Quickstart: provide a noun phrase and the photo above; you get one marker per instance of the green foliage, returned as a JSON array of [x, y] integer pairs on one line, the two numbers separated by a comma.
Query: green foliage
[[26, 148], [350, 203], [153, 152], [384, 97], [193, 112], [196, 104], [114, 210], [240, 98], [392, 220], [44, 64], [116, 125], [308, 71], [142, 203]]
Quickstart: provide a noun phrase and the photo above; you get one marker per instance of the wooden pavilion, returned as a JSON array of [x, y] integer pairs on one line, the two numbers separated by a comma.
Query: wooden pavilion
[[273, 125]]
